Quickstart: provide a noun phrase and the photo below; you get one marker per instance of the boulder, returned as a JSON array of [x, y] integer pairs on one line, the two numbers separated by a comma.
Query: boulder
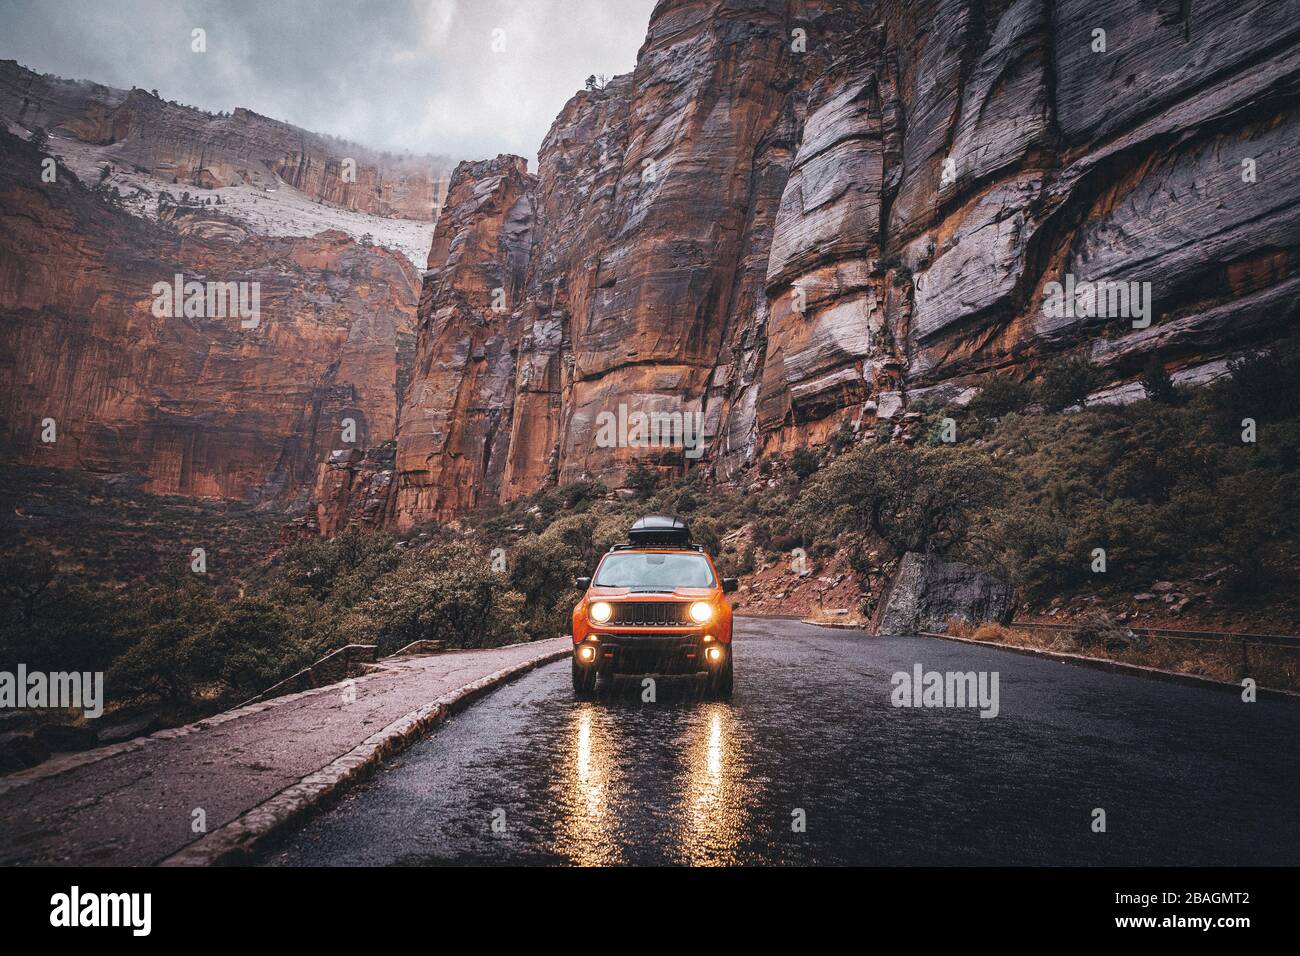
[[888, 404], [926, 593], [129, 729]]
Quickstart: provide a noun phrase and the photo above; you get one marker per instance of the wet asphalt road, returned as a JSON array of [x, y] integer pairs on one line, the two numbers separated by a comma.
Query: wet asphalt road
[[1186, 775]]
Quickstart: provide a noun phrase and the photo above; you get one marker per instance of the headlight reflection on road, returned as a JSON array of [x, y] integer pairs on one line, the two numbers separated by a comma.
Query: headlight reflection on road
[[586, 826], [715, 805]]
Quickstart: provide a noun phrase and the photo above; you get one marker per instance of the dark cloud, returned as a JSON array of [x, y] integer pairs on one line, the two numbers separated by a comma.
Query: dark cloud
[[393, 74]]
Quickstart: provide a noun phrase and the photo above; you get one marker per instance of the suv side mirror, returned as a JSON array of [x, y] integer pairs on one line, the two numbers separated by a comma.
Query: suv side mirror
[[583, 583], [729, 585]]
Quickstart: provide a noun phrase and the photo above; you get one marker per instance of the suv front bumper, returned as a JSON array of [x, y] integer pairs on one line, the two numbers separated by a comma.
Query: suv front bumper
[[655, 652]]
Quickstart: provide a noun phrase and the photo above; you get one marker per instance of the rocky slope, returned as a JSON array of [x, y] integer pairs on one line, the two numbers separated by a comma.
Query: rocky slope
[[801, 214], [188, 147], [200, 406]]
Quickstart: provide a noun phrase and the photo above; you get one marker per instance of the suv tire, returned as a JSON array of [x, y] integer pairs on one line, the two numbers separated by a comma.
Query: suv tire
[[584, 681], [721, 681]]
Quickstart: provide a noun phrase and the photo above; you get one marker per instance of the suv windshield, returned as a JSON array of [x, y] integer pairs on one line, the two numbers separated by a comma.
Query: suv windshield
[[649, 570]]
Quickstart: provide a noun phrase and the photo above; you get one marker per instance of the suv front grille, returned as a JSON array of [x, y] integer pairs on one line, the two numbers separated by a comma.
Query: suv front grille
[[651, 614]]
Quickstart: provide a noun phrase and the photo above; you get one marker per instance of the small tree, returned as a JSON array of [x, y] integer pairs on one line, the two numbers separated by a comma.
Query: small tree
[[1000, 396], [40, 139], [1156, 381], [804, 462], [24, 577], [842, 438], [1067, 382], [922, 499], [643, 479], [1264, 381]]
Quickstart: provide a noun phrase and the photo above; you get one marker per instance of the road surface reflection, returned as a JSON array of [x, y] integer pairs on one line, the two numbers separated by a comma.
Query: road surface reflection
[[608, 746], [714, 808], [587, 832]]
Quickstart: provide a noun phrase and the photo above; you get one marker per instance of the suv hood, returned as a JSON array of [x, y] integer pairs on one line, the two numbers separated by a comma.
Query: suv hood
[[682, 594]]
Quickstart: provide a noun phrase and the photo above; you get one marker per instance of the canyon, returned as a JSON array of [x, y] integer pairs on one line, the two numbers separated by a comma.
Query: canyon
[[198, 406], [172, 143], [793, 218], [130, 190]]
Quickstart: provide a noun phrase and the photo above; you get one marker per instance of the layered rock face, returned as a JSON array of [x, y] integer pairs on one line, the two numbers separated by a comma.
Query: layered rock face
[[182, 145], [644, 267], [1004, 146], [200, 404], [455, 425], [796, 215]]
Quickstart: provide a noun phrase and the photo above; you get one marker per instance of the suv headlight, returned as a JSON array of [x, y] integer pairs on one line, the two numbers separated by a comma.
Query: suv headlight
[[601, 612], [701, 612]]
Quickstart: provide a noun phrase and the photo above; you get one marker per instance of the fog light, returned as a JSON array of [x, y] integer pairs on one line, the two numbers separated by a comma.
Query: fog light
[[586, 653], [601, 612], [707, 638], [714, 654], [701, 612]]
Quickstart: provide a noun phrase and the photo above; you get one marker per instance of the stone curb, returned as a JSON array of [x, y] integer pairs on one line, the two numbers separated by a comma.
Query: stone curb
[[236, 841], [833, 624], [1119, 667], [71, 761], [65, 762]]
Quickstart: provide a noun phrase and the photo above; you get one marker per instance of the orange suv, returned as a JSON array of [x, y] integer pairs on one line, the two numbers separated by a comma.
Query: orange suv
[[654, 606]]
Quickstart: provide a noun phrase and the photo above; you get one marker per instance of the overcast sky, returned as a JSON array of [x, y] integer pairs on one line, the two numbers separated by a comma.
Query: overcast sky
[[417, 75]]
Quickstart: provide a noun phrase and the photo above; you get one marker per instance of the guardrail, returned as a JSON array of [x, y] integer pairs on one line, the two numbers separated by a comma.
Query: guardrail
[[1276, 640], [330, 669], [1227, 638]]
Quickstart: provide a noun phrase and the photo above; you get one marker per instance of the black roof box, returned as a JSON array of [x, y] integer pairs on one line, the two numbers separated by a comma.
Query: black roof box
[[659, 529]]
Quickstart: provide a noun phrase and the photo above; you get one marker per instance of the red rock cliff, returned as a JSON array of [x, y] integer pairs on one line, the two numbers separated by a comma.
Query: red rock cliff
[[201, 406], [792, 215], [177, 143], [455, 426]]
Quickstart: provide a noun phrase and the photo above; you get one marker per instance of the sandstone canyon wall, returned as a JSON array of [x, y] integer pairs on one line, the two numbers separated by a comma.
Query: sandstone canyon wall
[[186, 146], [199, 406], [793, 215]]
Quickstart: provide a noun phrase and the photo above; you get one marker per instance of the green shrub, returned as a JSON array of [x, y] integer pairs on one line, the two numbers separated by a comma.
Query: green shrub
[[447, 593], [841, 439], [642, 479], [1155, 379], [1161, 488], [804, 462], [1067, 382], [351, 563], [1265, 385], [1000, 395], [166, 622], [542, 569], [916, 499], [253, 644]]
